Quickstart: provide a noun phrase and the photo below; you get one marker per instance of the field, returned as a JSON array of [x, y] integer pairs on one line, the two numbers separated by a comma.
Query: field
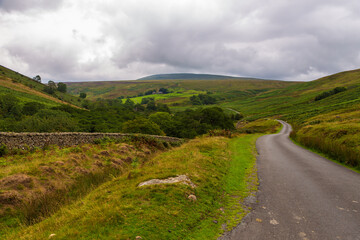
[[177, 98], [116, 89]]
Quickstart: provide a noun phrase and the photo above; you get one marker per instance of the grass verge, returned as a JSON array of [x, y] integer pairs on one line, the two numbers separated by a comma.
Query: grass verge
[[222, 169], [327, 156], [34, 185]]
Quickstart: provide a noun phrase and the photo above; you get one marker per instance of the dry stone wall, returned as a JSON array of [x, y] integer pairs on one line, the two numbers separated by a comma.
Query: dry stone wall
[[31, 140]]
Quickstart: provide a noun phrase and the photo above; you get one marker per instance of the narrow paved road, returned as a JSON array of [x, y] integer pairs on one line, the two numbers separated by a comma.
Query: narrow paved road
[[301, 195]]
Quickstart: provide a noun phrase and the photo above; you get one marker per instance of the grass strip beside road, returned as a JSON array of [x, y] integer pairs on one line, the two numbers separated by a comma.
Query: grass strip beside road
[[324, 155], [223, 170]]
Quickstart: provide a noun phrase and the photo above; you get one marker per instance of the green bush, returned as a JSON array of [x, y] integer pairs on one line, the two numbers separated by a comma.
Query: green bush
[[329, 93], [142, 125], [3, 150]]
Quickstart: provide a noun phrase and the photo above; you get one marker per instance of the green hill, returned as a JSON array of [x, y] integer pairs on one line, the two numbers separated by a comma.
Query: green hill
[[181, 89], [297, 102], [29, 90], [192, 76], [325, 113]]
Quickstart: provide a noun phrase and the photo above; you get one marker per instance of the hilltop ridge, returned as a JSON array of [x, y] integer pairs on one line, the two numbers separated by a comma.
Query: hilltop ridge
[[193, 76]]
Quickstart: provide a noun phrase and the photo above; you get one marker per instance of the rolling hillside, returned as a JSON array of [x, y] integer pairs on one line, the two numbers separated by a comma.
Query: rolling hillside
[[323, 118], [297, 102], [29, 90], [180, 88]]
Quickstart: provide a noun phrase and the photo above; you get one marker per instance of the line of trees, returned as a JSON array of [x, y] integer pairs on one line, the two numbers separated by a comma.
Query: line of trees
[[51, 87], [202, 99], [110, 116], [330, 93]]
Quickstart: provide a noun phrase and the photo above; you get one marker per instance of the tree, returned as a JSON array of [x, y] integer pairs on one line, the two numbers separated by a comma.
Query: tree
[[151, 106], [147, 100], [9, 106], [164, 90], [142, 125], [162, 107], [83, 95], [165, 122], [149, 92], [50, 88], [61, 87], [195, 100], [52, 84], [129, 103], [37, 78], [216, 117]]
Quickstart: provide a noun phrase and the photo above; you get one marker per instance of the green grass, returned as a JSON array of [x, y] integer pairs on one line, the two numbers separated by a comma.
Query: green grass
[[327, 156], [258, 126], [20, 84], [116, 89], [26, 97], [220, 167], [59, 176], [170, 97]]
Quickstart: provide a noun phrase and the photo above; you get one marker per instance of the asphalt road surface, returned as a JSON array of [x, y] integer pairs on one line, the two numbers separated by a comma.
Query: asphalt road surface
[[301, 195]]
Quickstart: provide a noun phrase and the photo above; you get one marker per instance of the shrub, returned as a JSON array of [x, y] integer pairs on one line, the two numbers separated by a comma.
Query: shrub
[[329, 93], [3, 150], [142, 125]]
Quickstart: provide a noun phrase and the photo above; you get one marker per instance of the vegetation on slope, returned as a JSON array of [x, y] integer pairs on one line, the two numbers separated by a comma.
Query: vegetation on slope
[[181, 89], [337, 134], [36, 184], [29, 89], [111, 116], [328, 124], [119, 209]]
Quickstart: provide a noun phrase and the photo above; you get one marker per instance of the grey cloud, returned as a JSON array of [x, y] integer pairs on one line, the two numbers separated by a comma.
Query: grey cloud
[[280, 39], [20, 5], [45, 58], [300, 36]]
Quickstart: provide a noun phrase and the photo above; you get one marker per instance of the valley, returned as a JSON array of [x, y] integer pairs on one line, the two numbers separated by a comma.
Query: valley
[[90, 191]]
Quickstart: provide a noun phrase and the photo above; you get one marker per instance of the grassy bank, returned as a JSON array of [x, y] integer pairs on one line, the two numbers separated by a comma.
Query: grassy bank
[[36, 184], [335, 134], [118, 209], [258, 126]]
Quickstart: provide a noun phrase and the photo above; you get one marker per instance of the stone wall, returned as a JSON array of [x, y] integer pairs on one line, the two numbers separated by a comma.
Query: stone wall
[[31, 140]]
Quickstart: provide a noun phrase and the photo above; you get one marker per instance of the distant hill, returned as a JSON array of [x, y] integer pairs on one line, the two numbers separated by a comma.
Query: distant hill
[[191, 76], [116, 89]]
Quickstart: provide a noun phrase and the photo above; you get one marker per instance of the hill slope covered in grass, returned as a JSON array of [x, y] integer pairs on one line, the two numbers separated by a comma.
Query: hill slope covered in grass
[[297, 101], [179, 88], [325, 113], [27, 89]]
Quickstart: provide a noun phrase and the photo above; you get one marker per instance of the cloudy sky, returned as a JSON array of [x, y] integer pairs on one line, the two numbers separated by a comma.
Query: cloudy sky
[[79, 40]]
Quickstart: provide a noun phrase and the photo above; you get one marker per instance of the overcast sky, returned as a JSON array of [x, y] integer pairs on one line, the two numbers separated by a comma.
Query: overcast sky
[[79, 40]]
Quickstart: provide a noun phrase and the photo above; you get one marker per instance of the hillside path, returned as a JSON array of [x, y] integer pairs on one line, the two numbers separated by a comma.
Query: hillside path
[[301, 195]]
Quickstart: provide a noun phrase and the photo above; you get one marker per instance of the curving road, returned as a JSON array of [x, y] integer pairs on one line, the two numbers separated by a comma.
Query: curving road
[[301, 195]]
